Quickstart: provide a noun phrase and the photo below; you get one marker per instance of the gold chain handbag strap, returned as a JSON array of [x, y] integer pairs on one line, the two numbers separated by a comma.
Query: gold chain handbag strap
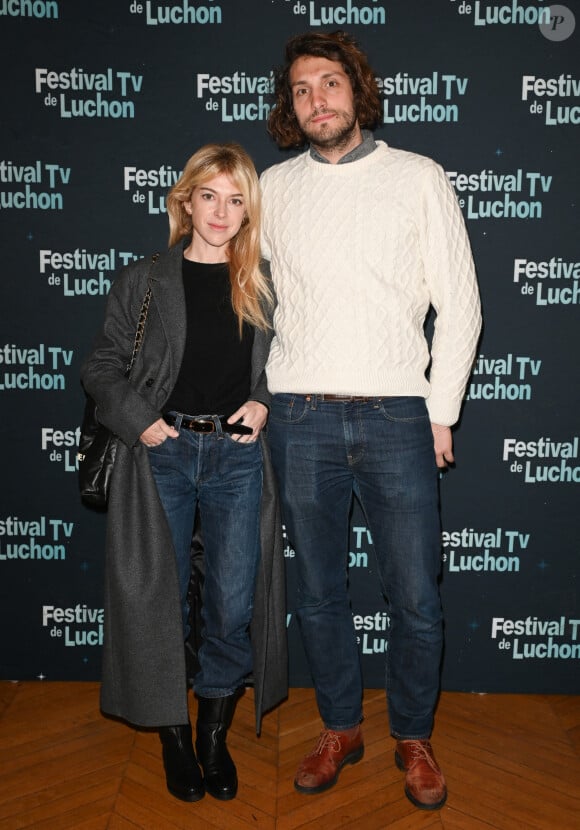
[[142, 319]]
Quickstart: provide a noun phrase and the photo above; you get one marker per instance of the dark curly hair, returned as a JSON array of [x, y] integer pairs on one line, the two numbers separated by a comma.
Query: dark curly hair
[[335, 46]]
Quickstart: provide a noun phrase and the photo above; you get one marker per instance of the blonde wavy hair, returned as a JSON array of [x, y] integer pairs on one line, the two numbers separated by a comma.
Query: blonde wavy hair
[[251, 294]]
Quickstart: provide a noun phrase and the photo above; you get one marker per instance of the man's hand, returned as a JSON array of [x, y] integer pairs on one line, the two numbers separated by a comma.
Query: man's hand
[[443, 445]]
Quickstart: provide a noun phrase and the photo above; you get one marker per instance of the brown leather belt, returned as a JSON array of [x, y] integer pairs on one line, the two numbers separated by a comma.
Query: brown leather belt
[[343, 398]]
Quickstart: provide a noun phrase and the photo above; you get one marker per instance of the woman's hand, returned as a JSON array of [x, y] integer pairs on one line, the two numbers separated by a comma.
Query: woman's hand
[[157, 433], [253, 414]]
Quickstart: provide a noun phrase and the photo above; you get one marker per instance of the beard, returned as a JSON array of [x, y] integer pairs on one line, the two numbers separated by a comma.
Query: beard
[[331, 135]]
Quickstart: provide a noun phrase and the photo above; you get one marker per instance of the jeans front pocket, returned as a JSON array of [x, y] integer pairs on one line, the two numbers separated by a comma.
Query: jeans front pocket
[[288, 408], [404, 409]]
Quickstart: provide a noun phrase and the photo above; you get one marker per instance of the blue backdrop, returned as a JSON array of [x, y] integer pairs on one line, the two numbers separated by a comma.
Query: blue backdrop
[[101, 105]]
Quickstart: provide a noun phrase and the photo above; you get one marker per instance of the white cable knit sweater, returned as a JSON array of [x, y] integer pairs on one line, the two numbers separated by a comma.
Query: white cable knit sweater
[[358, 253]]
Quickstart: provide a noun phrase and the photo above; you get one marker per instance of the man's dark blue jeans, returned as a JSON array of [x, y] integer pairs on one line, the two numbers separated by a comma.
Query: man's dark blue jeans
[[380, 449]]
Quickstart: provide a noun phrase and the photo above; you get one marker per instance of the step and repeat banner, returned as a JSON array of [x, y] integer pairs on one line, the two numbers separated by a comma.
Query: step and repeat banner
[[102, 103]]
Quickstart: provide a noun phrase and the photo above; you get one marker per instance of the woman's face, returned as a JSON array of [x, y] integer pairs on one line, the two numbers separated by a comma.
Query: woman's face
[[217, 211]]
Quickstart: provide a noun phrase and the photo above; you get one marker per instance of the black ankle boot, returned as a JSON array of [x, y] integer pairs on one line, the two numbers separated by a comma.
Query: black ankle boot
[[214, 716], [182, 772]]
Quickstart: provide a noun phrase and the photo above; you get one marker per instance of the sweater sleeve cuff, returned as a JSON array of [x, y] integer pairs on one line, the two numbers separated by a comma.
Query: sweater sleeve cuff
[[442, 412]]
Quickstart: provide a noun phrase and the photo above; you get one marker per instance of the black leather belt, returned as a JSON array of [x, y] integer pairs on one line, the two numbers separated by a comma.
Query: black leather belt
[[206, 425]]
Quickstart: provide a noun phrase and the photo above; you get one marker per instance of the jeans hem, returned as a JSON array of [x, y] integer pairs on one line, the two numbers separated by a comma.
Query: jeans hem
[[215, 694], [343, 728]]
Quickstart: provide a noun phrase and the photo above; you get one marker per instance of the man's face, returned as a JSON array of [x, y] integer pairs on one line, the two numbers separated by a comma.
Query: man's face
[[324, 103]]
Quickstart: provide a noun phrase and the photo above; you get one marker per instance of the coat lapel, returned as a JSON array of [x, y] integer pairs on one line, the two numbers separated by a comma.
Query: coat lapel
[[166, 281]]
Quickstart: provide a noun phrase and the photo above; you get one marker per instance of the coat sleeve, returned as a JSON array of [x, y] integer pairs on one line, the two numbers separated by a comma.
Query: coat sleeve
[[260, 352], [261, 348], [120, 407]]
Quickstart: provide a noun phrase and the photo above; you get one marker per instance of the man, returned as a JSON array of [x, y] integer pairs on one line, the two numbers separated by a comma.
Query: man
[[362, 240]]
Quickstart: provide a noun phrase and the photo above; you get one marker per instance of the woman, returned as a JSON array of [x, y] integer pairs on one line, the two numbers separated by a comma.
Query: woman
[[190, 422]]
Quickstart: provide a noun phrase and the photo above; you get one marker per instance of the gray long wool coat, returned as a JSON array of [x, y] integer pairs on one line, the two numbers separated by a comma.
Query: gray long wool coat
[[144, 672]]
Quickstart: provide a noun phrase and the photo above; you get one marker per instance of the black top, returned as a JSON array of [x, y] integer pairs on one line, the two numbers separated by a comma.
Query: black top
[[215, 374]]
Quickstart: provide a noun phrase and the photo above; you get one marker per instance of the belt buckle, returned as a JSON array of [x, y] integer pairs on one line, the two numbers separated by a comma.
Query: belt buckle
[[206, 423]]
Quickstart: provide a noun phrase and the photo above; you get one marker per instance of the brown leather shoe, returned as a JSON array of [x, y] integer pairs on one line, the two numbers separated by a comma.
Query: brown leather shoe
[[424, 784], [319, 770]]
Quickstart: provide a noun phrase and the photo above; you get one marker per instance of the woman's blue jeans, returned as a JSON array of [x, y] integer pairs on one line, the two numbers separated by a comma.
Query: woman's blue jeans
[[223, 477], [382, 450]]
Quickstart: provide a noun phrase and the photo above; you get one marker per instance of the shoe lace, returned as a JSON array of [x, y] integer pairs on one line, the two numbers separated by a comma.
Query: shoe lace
[[328, 739], [421, 751]]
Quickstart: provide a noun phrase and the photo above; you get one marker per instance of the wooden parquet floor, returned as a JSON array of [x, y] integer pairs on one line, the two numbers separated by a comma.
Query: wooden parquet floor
[[511, 762]]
